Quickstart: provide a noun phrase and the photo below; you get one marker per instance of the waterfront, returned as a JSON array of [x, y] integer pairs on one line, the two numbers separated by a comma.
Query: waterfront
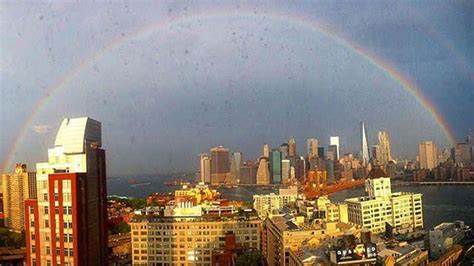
[[440, 203]]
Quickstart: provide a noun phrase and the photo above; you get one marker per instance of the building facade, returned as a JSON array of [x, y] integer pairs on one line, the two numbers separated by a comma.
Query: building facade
[[189, 240], [402, 210], [66, 224], [220, 165], [17, 187], [428, 155]]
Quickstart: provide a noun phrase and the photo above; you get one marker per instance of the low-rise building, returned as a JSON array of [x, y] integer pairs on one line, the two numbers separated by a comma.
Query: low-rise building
[[190, 240], [289, 232], [402, 210], [402, 254], [268, 204], [444, 236]]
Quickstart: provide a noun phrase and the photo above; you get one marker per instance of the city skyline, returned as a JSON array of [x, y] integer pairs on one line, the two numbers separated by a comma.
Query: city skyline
[[152, 80]]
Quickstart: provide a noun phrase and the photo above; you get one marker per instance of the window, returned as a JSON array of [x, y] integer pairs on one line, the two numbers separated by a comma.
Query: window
[[48, 251], [58, 252], [46, 223], [46, 210], [45, 196], [32, 210], [33, 249]]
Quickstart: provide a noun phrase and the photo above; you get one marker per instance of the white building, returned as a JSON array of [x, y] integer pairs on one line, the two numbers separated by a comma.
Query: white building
[[402, 210], [267, 204], [335, 141]]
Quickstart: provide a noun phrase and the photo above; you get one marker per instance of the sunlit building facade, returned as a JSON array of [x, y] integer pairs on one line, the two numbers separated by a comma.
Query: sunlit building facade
[[17, 187], [66, 224]]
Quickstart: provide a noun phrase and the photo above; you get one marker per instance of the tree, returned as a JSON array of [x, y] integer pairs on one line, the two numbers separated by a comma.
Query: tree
[[253, 258]]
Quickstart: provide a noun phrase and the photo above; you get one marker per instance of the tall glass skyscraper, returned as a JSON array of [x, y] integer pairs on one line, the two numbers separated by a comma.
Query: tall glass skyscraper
[[275, 166], [364, 145]]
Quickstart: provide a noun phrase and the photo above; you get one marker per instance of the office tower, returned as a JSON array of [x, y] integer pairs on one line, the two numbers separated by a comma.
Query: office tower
[[375, 154], [364, 146], [312, 148], [263, 173], [463, 153], [220, 166], [300, 168], [266, 150], [380, 205], [17, 187], [235, 164], [428, 155], [275, 166], [292, 147], [66, 225], [335, 141], [284, 150], [384, 147], [332, 153], [205, 168], [248, 173], [321, 152], [285, 171]]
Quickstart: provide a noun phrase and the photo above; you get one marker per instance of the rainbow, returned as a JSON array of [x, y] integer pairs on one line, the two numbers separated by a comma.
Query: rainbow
[[295, 19]]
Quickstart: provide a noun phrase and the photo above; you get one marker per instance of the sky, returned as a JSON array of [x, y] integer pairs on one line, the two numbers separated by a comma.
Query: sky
[[169, 80]]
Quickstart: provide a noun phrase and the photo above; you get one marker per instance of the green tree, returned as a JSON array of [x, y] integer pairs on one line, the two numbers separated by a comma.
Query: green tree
[[254, 258]]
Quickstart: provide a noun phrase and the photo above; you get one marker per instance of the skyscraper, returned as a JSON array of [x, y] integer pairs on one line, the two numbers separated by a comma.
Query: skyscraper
[[235, 164], [275, 166], [263, 173], [220, 167], [17, 187], [292, 147], [66, 225], [428, 155], [384, 147], [335, 141], [364, 146], [205, 168], [266, 150], [284, 150], [312, 148], [285, 171]]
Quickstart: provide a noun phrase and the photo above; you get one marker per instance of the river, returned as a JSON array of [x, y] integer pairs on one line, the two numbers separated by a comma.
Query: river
[[440, 203]]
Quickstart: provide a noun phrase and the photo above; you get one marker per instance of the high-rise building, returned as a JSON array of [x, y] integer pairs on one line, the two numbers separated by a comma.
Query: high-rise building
[[205, 168], [384, 148], [266, 150], [335, 141], [428, 155], [312, 148], [248, 173], [220, 165], [364, 145], [285, 171], [332, 153], [263, 173], [292, 147], [66, 224], [375, 154], [235, 164], [284, 150], [17, 187], [321, 153], [275, 166], [464, 153]]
